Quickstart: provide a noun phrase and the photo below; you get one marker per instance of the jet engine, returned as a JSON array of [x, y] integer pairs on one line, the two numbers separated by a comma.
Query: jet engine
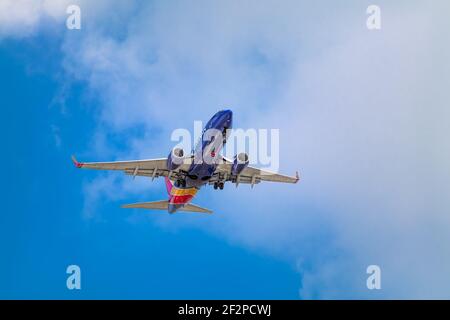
[[239, 163], [175, 159]]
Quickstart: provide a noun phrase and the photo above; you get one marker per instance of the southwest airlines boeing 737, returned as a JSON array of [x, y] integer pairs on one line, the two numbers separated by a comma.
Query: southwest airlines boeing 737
[[184, 176]]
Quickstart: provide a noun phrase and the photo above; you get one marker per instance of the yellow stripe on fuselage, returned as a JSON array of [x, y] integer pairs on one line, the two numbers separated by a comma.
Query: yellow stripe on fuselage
[[183, 192]]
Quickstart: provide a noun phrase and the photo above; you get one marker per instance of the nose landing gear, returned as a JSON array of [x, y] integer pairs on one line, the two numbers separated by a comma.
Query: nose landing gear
[[224, 135]]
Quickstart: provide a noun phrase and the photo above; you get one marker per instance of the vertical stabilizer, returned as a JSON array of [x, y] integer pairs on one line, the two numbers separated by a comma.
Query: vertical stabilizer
[[168, 185]]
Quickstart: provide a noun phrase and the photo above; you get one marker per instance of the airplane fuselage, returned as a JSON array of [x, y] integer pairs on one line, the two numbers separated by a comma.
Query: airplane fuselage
[[206, 154]]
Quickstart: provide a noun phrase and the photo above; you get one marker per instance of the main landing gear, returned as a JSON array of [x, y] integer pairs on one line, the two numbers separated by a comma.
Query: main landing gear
[[218, 185], [180, 183]]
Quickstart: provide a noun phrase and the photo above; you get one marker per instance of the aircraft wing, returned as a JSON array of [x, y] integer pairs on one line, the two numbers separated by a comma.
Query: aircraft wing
[[153, 168], [250, 175]]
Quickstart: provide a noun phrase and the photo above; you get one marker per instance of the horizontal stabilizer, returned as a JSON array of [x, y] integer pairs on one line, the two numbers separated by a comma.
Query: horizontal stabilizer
[[194, 208], [155, 205], [163, 204]]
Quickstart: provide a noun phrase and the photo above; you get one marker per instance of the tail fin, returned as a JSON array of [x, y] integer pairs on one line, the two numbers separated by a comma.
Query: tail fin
[[169, 185]]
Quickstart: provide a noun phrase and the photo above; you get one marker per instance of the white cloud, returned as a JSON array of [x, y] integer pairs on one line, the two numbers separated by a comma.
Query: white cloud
[[22, 18], [361, 106]]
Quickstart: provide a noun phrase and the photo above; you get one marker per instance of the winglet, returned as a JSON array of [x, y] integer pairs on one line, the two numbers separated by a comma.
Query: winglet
[[297, 177], [76, 163]]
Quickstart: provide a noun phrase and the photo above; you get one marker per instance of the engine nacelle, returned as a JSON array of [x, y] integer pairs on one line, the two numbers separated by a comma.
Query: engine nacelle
[[239, 163], [175, 159]]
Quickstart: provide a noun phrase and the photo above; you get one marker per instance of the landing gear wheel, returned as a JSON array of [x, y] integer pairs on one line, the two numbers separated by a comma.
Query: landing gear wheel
[[180, 183], [215, 186], [221, 185]]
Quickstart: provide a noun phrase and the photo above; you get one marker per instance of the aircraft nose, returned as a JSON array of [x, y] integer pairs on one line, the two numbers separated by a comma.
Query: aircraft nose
[[228, 114]]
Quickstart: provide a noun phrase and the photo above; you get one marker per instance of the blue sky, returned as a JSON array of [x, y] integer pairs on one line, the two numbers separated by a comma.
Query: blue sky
[[43, 230], [363, 115]]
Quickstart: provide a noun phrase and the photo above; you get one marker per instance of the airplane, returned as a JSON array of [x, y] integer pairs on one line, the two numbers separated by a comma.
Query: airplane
[[185, 175]]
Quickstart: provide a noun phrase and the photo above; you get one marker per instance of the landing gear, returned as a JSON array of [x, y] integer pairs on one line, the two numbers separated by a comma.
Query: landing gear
[[218, 185], [224, 135], [180, 183]]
